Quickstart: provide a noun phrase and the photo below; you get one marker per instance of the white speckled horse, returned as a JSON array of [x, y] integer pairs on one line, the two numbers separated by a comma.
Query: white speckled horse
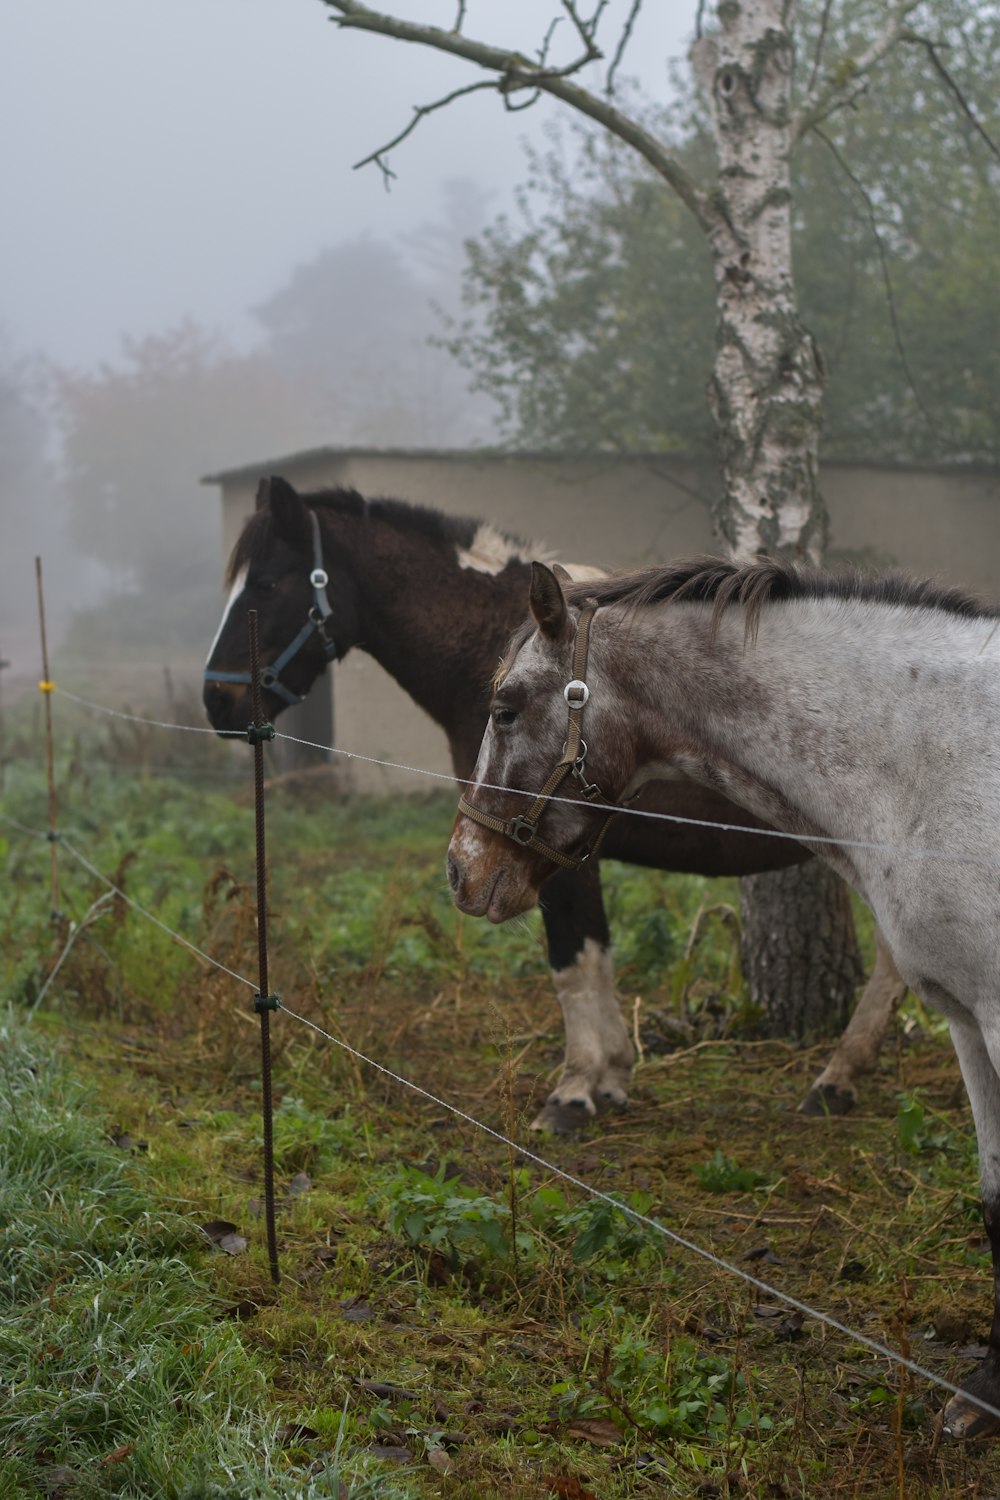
[[832, 707]]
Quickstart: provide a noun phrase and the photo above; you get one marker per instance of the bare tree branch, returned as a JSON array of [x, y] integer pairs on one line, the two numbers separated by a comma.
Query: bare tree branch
[[543, 51], [460, 17], [515, 71], [419, 111], [820, 43], [623, 41], [824, 98], [585, 29], [951, 84], [886, 275]]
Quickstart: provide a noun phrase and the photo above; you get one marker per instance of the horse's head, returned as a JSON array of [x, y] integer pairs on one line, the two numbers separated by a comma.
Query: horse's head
[[551, 731], [304, 604]]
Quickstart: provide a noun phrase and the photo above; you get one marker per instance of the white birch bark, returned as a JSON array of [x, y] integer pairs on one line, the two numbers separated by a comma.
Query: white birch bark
[[766, 390]]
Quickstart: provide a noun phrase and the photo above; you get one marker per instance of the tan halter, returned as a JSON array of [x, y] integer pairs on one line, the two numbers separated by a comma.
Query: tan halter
[[523, 829]]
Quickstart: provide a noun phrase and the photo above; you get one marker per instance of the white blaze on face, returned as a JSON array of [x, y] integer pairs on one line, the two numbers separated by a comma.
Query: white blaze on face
[[239, 584]]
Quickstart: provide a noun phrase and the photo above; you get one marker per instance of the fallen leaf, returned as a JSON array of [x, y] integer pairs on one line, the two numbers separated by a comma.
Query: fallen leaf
[[597, 1430], [386, 1391], [300, 1183], [295, 1432], [763, 1253], [240, 1311], [439, 1460], [791, 1328], [567, 1487], [355, 1311], [391, 1452], [116, 1457], [225, 1235]]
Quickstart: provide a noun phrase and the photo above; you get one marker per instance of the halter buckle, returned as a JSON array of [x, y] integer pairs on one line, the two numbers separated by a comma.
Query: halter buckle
[[319, 578], [576, 693], [521, 831]]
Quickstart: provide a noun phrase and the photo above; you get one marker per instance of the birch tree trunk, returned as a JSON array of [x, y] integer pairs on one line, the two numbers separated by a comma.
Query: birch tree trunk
[[799, 950], [766, 391]]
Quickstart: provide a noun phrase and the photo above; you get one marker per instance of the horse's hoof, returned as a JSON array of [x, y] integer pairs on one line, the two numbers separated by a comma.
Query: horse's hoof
[[563, 1119], [962, 1420], [829, 1099]]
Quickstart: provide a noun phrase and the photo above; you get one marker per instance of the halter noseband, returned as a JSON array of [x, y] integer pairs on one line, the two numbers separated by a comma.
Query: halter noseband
[[320, 615], [523, 829]]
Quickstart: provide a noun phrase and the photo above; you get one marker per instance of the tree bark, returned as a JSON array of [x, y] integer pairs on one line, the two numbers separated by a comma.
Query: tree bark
[[799, 951], [766, 390]]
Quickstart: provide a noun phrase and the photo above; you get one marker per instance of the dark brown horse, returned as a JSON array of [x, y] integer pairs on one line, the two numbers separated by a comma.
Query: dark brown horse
[[433, 599]]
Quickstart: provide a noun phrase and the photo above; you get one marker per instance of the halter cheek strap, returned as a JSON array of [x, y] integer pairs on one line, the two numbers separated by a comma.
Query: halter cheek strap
[[524, 829], [318, 622]]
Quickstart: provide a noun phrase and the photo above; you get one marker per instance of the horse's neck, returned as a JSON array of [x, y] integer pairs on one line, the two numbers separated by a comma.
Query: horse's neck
[[800, 727], [436, 627]]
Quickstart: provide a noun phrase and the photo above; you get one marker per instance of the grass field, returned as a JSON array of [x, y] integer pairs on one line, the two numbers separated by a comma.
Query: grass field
[[453, 1319]]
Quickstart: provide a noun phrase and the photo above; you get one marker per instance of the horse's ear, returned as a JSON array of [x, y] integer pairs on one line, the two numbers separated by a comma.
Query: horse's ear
[[547, 603], [563, 574], [289, 512]]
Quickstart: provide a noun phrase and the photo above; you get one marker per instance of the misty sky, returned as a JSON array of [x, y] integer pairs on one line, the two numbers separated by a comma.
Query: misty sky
[[165, 160]]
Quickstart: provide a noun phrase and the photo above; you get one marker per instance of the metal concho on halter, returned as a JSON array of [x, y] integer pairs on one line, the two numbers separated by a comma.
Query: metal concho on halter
[[320, 615], [524, 828]]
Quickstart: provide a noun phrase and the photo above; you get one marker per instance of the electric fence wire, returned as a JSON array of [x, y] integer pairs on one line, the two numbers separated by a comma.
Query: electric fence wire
[[690, 1246], [953, 856]]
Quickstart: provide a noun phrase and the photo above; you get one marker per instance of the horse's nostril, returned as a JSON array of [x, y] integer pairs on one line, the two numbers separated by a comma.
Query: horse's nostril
[[454, 873]]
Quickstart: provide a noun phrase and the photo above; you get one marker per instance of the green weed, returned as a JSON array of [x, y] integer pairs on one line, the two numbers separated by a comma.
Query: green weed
[[721, 1174]]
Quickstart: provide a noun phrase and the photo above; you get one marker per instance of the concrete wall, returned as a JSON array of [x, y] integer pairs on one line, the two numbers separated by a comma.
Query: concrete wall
[[612, 511]]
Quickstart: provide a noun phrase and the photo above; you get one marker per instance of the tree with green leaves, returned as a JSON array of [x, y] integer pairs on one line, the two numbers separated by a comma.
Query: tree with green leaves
[[590, 319]]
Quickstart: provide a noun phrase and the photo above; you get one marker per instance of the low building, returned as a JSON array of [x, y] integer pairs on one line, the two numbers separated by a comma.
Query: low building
[[613, 510]]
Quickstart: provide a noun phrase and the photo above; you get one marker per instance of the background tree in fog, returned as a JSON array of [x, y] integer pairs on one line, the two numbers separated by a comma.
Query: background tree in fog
[[765, 91], [136, 437], [355, 329], [32, 506]]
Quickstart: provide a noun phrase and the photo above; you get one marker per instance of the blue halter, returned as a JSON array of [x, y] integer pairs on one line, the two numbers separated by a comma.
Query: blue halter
[[320, 615]]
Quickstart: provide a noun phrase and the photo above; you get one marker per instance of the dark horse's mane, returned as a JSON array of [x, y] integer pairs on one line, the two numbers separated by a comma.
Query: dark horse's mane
[[255, 541], [721, 583]]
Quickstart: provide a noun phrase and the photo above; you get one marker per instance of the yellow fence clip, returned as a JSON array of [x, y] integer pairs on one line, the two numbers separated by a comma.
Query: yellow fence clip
[[46, 687]]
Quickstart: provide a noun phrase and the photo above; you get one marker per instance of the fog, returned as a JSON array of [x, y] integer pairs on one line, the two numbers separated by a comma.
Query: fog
[[163, 161], [179, 184]]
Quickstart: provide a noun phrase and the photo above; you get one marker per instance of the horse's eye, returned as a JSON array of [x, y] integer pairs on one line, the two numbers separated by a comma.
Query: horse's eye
[[502, 717], [264, 585]]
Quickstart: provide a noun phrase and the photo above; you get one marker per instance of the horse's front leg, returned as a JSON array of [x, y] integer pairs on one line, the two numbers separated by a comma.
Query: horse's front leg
[[835, 1092], [598, 1065], [980, 1063]]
